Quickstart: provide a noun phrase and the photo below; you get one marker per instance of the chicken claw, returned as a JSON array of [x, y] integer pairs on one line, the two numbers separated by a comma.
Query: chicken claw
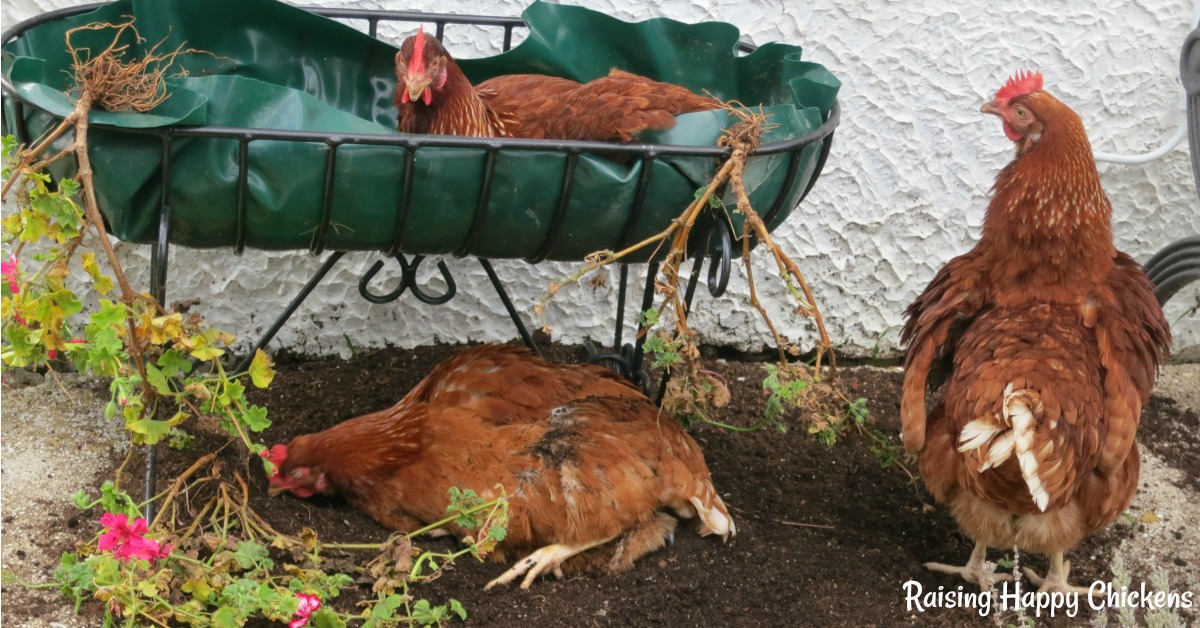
[[973, 571], [1056, 579], [549, 558]]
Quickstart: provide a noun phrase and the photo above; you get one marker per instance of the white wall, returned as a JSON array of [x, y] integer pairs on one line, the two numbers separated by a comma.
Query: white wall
[[904, 189]]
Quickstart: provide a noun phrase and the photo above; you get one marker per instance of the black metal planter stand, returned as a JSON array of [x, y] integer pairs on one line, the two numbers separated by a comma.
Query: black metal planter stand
[[624, 357]]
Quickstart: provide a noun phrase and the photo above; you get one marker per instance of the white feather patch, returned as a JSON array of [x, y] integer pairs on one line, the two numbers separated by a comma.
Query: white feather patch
[[999, 451], [977, 433], [1017, 408]]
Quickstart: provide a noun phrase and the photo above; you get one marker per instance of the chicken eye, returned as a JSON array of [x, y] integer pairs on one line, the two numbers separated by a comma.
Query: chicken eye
[[1020, 112]]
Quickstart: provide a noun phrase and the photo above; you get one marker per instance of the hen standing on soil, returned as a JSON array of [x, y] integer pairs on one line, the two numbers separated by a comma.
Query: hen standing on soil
[[584, 457], [1048, 340], [435, 97]]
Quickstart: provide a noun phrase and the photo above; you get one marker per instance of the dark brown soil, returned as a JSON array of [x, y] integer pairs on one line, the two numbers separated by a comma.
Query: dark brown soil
[[826, 535]]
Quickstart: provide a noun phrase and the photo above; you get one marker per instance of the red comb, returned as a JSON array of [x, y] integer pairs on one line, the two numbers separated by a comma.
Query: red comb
[[1019, 84], [277, 456], [418, 58]]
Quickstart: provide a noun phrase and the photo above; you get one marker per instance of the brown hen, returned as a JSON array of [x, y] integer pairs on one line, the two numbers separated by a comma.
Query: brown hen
[[433, 96], [1044, 342], [584, 457]]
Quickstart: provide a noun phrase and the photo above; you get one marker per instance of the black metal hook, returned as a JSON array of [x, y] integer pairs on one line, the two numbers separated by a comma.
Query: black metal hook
[[718, 269], [408, 279]]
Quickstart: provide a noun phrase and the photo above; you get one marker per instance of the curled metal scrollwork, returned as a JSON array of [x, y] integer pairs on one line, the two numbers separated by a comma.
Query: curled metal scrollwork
[[627, 363], [408, 280]]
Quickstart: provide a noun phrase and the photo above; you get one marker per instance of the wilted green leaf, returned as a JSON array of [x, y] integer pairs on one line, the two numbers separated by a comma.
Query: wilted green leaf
[[179, 439]]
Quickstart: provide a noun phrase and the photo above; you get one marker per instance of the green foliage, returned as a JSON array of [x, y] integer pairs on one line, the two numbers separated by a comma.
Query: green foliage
[[666, 351], [110, 500], [783, 391], [179, 439], [153, 357], [240, 579], [714, 201], [251, 555], [220, 569]]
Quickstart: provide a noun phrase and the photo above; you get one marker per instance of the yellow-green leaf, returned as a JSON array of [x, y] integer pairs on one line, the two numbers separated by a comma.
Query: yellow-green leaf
[[149, 430], [147, 588], [207, 352], [166, 328], [262, 369], [198, 587], [101, 282]]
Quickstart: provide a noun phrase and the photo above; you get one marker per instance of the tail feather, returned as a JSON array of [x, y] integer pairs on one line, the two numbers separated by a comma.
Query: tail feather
[[1012, 434], [714, 516], [1023, 409]]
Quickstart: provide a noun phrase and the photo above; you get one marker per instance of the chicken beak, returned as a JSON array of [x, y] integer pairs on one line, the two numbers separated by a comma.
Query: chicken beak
[[274, 491], [416, 87], [992, 107]]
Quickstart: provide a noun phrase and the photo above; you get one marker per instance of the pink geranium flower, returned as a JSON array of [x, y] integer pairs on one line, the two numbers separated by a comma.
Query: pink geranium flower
[[126, 541], [308, 605], [9, 271]]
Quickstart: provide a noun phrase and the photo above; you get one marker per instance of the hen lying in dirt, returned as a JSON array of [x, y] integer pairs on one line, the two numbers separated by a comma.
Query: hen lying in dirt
[[585, 458]]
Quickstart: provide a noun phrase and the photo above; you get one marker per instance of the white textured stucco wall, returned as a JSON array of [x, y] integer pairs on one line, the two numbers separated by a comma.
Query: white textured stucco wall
[[904, 190]]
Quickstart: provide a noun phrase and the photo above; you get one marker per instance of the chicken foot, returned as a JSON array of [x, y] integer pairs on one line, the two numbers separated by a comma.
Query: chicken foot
[[973, 571], [1056, 578], [549, 558]]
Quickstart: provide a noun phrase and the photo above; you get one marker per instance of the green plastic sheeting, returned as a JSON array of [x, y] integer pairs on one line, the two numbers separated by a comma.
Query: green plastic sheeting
[[274, 66]]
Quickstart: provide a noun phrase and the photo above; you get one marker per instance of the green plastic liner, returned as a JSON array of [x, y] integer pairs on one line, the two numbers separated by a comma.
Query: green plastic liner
[[275, 66]]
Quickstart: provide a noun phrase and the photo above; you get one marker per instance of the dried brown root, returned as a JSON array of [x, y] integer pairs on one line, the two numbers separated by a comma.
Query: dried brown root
[[747, 134], [693, 391]]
